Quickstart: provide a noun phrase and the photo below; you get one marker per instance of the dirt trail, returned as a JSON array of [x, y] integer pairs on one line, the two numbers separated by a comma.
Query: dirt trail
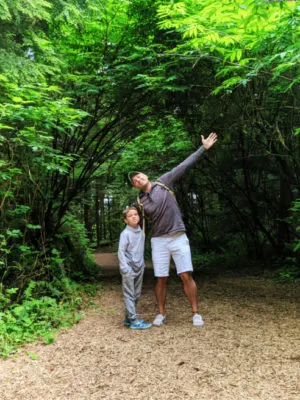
[[248, 349]]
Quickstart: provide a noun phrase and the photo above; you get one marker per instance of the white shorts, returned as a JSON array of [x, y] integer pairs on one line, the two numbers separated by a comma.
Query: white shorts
[[177, 246]]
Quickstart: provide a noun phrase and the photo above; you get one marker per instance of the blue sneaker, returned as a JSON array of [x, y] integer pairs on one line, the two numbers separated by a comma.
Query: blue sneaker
[[139, 325], [127, 321]]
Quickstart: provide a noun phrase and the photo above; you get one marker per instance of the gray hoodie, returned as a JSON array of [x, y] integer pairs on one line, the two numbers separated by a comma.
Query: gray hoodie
[[131, 250]]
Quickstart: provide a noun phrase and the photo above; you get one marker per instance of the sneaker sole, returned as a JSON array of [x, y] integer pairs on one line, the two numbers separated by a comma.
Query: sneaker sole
[[199, 326], [139, 328], [128, 323]]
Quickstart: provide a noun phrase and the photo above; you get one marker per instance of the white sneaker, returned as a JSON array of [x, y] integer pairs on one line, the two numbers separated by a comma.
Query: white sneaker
[[197, 320], [159, 320]]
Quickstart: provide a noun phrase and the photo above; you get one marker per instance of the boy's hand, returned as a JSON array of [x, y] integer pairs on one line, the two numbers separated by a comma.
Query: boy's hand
[[209, 141]]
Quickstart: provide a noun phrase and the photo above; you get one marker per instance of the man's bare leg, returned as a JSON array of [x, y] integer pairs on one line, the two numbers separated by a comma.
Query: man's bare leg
[[160, 292], [190, 289]]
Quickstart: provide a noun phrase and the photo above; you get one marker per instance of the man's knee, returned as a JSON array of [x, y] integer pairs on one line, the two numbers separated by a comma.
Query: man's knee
[[186, 277], [162, 280]]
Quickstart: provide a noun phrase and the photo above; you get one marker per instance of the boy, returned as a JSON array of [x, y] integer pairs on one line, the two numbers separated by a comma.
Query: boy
[[131, 259]]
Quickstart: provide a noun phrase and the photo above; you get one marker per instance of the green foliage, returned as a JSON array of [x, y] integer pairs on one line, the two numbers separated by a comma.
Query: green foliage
[[295, 220], [287, 274], [38, 316], [26, 54], [75, 245], [290, 271], [246, 40], [229, 68], [157, 148], [29, 161], [65, 106], [224, 263], [90, 90]]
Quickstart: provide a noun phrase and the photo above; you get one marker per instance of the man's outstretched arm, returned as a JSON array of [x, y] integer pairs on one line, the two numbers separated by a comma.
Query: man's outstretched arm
[[176, 173]]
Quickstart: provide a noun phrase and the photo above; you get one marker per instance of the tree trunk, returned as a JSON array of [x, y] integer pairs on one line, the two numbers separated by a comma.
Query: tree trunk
[[98, 212], [86, 213]]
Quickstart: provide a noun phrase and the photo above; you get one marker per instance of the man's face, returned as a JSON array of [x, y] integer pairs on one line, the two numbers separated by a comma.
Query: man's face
[[140, 181], [132, 218]]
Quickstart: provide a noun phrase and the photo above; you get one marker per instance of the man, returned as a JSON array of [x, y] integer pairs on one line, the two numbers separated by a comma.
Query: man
[[168, 231]]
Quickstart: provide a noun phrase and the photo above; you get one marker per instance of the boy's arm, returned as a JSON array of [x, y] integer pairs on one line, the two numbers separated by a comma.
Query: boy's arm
[[123, 243], [176, 173]]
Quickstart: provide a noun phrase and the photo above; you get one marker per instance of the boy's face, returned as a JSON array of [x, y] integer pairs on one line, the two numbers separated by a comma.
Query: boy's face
[[132, 218], [140, 181]]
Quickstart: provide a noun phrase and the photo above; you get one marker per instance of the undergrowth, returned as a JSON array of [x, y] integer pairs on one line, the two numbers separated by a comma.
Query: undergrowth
[[35, 317], [282, 271]]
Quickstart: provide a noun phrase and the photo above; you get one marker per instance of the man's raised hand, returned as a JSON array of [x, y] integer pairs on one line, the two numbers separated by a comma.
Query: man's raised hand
[[209, 141]]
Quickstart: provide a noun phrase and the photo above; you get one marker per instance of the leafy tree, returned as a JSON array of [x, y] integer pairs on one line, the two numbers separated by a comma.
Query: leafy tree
[[252, 49], [231, 68], [60, 123], [84, 81]]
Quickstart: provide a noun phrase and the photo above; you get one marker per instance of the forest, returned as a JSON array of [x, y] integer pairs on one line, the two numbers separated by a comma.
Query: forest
[[92, 89]]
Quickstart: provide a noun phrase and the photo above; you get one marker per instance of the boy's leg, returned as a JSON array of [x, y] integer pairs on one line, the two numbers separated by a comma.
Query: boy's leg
[[129, 296], [128, 283], [138, 284]]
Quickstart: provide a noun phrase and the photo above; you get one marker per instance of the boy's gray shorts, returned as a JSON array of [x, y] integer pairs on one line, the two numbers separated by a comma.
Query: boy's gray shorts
[[177, 246]]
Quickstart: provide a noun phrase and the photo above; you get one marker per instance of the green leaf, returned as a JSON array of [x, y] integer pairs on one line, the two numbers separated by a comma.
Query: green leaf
[[30, 226]]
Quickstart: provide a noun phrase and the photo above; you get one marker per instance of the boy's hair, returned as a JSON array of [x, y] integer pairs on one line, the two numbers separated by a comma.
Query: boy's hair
[[127, 209]]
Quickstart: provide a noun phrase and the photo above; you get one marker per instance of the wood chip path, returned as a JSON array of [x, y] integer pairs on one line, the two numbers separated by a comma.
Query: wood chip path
[[249, 348]]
